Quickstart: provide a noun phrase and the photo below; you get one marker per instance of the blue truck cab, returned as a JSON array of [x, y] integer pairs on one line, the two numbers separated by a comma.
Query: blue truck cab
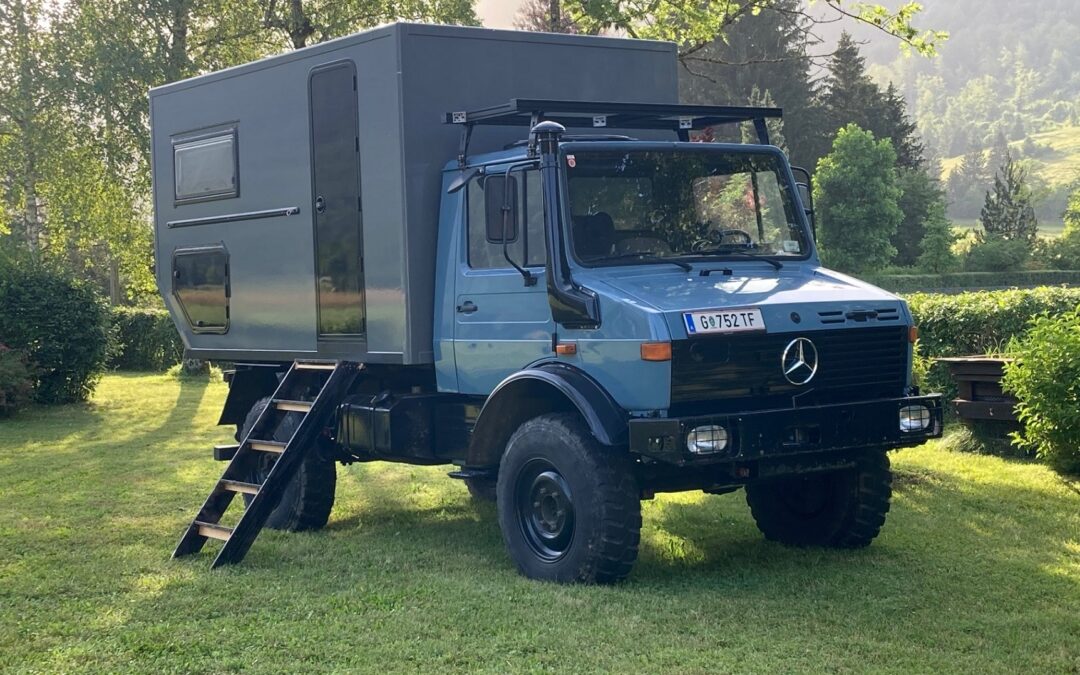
[[580, 310]]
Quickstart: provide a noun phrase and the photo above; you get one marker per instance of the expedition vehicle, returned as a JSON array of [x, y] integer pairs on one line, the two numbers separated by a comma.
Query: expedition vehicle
[[503, 251]]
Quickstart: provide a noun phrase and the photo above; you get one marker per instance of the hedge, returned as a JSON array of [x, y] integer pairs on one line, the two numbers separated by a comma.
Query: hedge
[[979, 323], [59, 323], [144, 339], [971, 281]]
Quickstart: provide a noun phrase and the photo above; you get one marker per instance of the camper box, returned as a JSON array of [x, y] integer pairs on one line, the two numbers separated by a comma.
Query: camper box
[[297, 198]]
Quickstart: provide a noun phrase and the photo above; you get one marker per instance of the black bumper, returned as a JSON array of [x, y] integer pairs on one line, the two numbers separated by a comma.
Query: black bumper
[[778, 433]]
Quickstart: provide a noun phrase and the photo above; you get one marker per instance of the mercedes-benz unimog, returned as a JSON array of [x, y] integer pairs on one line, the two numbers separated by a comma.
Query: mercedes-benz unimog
[[505, 252]]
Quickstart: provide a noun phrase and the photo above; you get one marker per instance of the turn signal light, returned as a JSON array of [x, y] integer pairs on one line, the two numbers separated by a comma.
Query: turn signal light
[[912, 334], [566, 349], [656, 351]]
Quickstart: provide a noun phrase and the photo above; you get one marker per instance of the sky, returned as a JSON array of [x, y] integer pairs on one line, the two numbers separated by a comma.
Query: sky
[[497, 13]]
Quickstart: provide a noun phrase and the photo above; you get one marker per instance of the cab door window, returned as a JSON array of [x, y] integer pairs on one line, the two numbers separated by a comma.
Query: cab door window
[[522, 191]]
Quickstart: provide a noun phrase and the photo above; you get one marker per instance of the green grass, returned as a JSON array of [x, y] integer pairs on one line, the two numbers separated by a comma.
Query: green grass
[[977, 570]]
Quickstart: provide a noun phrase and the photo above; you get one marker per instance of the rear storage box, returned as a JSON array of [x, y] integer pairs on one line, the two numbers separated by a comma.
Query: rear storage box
[[297, 198]]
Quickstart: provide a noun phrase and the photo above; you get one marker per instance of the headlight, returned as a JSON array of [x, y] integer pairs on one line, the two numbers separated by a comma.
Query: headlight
[[707, 439], [914, 418]]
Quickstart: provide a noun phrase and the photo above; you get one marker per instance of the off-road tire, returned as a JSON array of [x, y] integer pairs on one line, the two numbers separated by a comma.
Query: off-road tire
[[838, 509], [307, 500], [482, 489], [601, 494]]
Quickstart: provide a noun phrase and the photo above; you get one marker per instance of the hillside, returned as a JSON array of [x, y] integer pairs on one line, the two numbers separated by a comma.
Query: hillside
[[1054, 160]]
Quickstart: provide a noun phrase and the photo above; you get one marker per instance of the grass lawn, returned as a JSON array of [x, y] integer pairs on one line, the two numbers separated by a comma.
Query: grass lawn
[[977, 570]]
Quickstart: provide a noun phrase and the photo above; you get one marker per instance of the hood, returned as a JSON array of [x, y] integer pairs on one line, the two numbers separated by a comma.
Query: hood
[[791, 299]]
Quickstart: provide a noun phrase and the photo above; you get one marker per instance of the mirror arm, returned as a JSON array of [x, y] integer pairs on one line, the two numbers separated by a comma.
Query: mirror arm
[[530, 280]]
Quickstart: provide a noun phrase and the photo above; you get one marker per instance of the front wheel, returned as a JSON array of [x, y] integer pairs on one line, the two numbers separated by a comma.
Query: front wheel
[[569, 508], [839, 509]]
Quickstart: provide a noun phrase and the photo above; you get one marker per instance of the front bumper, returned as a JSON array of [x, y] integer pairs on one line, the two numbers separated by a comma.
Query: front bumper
[[777, 433]]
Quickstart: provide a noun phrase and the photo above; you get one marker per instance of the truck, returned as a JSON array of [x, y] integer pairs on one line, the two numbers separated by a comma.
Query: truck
[[511, 254]]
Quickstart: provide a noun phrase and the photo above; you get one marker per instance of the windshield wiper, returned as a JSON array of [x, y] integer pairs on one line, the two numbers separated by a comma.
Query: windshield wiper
[[735, 251], [645, 258]]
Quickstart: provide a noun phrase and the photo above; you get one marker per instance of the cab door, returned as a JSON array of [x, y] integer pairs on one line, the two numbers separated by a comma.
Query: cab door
[[501, 324]]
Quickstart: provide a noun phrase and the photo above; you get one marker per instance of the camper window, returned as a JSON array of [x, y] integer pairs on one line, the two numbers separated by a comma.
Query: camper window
[[485, 224], [201, 286], [205, 167]]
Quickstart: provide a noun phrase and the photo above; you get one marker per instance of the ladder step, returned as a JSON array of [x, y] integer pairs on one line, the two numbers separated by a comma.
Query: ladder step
[[292, 406], [314, 365], [267, 446], [239, 486], [224, 453], [214, 531]]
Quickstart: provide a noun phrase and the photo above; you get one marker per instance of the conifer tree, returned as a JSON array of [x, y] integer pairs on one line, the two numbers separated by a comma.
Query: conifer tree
[[1008, 212]]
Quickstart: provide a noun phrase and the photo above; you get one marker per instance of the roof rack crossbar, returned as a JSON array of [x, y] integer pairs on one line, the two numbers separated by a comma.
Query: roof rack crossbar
[[676, 117]]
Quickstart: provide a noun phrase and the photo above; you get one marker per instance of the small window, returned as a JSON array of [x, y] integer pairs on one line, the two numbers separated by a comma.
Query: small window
[[201, 286], [206, 167], [485, 200]]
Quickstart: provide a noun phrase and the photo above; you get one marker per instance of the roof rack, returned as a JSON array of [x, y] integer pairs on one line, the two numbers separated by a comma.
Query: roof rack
[[679, 118]]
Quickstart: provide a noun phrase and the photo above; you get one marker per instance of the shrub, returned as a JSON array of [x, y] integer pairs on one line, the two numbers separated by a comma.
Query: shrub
[[16, 385], [1046, 380], [998, 255], [979, 323], [59, 323], [146, 339]]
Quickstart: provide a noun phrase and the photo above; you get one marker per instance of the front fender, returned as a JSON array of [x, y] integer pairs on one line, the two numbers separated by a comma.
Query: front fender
[[547, 387]]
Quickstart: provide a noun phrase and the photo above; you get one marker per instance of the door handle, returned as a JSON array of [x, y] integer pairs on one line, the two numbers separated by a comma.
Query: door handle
[[467, 307], [320, 204]]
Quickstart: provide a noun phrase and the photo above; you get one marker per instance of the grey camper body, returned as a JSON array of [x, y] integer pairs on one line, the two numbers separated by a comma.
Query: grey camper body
[[297, 198]]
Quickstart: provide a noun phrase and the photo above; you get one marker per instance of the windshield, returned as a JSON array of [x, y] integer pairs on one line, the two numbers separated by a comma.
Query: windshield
[[644, 205]]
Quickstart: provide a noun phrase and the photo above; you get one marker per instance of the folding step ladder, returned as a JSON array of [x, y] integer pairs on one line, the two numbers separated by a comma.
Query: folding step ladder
[[310, 388]]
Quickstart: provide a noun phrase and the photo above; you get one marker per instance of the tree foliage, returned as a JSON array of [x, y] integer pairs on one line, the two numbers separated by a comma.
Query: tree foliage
[[855, 197], [693, 24], [1009, 212]]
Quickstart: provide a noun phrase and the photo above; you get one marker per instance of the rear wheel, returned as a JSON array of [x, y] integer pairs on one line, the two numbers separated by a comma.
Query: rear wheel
[[569, 508], [840, 509], [307, 500]]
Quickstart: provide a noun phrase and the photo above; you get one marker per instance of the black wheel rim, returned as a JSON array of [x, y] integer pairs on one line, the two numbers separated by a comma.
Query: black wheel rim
[[545, 510]]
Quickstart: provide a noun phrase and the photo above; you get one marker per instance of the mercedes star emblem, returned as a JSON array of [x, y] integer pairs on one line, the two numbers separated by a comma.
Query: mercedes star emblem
[[800, 361]]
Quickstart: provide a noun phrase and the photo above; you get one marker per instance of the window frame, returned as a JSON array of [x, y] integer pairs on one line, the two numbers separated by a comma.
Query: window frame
[[230, 131], [522, 214], [203, 250]]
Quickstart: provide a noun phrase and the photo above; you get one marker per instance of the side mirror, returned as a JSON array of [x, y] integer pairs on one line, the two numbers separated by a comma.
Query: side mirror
[[805, 188], [500, 207], [501, 216]]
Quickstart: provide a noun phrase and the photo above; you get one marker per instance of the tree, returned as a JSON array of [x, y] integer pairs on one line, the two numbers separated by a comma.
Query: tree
[[967, 184], [26, 99], [764, 56], [921, 199], [855, 197], [936, 255], [1008, 212], [849, 96], [694, 24], [894, 123], [544, 16]]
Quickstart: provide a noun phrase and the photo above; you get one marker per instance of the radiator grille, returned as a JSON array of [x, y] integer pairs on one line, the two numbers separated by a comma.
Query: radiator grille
[[744, 370]]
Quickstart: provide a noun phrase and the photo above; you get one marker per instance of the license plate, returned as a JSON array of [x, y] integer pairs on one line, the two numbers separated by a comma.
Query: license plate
[[724, 321]]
